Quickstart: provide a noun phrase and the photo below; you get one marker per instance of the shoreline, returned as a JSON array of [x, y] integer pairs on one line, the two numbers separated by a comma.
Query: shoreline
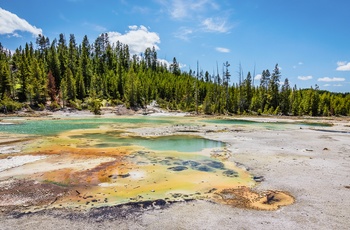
[[312, 165]]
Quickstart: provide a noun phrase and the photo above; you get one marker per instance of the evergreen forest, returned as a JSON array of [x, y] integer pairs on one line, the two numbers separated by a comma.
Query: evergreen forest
[[63, 73]]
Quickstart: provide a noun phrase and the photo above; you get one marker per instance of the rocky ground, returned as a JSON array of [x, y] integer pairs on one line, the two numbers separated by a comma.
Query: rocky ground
[[311, 164]]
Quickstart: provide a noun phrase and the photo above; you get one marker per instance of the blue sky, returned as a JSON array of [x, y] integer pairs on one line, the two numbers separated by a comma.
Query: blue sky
[[309, 39]]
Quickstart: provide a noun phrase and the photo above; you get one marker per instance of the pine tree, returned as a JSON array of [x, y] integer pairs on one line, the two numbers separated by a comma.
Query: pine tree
[[273, 89], [85, 63], [264, 82], [38, 83], [25, 73], [5, 74], [175, 68], [70, 84], [285, 94], [73, 62], [227, 76], [54, 64], [247, 92], [62, 51], [51, 87], [325, 104], [154, 59], [130, 89]]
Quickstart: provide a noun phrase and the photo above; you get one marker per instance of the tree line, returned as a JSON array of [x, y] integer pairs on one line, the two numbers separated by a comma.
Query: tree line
[[64, 73]]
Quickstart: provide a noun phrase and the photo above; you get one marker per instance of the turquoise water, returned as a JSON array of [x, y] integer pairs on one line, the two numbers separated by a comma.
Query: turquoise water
[[180, 143], [314, 124], [53, 127], [267, 125], [45, 127], [231, 121]]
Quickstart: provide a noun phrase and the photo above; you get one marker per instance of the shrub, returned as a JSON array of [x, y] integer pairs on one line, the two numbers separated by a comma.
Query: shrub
[[77, 104], [41, 107], [259, 112], [8, 105], [54, 106], [115, 102], [94, 106]]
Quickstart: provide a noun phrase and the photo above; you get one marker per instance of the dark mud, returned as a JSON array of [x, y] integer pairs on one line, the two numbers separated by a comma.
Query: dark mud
[[130, 210]]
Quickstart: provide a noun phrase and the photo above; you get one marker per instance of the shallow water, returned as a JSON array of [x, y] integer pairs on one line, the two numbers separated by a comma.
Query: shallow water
[[55, 126], [46, 127], [280, 125], [180, 143]]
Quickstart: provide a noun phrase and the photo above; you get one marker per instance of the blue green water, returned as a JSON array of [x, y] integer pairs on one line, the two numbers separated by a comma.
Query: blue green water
[[184, 143], [47, 127], [180, 143], [53, 127], [231, 121], [269, 125]]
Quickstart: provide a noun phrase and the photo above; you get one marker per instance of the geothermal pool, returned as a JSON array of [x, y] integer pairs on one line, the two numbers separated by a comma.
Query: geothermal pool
[[122, 160]]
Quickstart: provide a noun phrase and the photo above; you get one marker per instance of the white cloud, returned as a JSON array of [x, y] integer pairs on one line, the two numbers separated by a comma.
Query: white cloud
[[326, 85], [9, 23], [299, 63], [95, 27], [196, 12], [328, 79], [203, 4], [338, 85], [180, 9], [137, 38], [182, 66], [164, 62], [133, 27], [222, 50], [215, 25], [8, 50], [257, 77], [343, 66], [140, 10], [304, 78], [184, 33]]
